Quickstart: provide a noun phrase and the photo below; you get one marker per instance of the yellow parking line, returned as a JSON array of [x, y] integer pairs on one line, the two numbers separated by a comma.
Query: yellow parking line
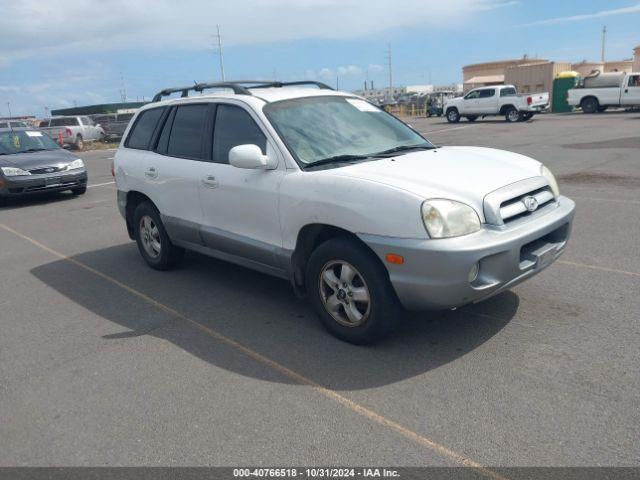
[[301, 379], [595, 267]]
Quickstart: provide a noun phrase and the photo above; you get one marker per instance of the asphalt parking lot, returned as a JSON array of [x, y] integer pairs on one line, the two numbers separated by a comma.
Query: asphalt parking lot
[[104, 361]]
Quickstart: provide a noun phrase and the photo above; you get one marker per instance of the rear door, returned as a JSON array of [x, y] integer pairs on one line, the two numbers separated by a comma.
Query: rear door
[[630, 94], [487, 101], [240, 206]]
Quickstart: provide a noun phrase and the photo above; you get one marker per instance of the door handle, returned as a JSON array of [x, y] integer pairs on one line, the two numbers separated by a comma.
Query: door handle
[[210, 181], [626, 90], [151, 172]]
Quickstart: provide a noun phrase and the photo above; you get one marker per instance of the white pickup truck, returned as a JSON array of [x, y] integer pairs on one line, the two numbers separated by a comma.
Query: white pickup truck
[[624, 93], [72, 130], [496, 100]]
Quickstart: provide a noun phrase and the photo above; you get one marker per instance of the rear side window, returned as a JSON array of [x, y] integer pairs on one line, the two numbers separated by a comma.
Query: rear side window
[[234, 126], [186, 132], [142, 131], [64, 122], [490, 92], [507, 92]]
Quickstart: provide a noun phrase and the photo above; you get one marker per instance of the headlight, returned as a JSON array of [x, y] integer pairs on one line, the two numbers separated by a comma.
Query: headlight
[[546, 173], [447, 218], [77, 163], [14, 172]]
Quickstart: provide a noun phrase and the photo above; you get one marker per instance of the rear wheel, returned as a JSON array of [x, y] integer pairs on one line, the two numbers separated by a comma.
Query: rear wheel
[[79, 143], [453, 116], [511, 115], [472, 118], [152, 239], [590, 105], [350, 290]]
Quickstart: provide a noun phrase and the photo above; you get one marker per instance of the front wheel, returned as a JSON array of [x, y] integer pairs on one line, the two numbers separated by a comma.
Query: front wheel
[[152, 239], [351, 292], [512, 115], [453, 116]]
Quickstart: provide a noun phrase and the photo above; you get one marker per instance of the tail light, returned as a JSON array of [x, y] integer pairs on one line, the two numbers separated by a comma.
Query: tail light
[[528, 100], [68, 132]]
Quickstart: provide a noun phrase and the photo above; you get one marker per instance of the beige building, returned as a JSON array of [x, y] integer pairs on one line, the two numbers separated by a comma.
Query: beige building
[[584, 68], [491, 73], [535, 77]]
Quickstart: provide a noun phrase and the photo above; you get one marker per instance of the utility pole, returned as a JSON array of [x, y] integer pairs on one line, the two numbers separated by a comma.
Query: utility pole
[[220, 53], [604, 34], [390, 71], [123, 90]]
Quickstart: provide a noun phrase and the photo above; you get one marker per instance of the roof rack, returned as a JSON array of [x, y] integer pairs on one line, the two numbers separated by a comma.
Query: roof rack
[[236, 86]]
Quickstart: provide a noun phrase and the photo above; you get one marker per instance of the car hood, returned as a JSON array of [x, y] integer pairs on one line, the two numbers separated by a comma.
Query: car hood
[[30, 160], [464, 174]]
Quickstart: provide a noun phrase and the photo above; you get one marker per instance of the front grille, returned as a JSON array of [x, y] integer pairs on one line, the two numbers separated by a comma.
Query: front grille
[[506, 205], [515, 208], [45, 170]]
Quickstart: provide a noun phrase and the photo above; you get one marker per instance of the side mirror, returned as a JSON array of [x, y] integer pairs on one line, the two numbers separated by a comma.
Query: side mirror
[[249, 156]]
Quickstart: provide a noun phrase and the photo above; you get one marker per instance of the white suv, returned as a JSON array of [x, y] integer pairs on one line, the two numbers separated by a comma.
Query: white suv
[[355, 208]]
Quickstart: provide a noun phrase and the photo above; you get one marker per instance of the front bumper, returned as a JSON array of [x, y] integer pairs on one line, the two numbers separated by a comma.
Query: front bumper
[[435, 272], [32, 184]]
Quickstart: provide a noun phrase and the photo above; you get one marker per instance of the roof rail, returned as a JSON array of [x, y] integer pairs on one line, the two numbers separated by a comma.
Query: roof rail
[[236, 86]]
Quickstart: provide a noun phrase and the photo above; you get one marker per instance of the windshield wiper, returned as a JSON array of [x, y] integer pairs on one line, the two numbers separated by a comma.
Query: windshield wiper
[[337, 159], [403, 148]]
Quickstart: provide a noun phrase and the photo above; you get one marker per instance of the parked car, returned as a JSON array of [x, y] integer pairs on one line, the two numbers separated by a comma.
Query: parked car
[[496, 100], [361, 213], [74, 130], [31, 162], [13, 124], [113, 124], [615, 89]]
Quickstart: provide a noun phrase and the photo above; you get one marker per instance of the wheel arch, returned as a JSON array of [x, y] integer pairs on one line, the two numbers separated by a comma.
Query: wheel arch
[[134, 198], [504, 108], [308, 239]]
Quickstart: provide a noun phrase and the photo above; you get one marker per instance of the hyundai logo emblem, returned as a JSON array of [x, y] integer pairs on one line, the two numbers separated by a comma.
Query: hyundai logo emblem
[[530, 203]]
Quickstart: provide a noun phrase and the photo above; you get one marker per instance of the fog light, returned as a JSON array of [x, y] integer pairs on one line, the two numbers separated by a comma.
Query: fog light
[[473, 273]]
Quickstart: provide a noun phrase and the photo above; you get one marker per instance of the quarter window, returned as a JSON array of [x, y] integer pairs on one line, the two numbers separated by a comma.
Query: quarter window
[[142, 131], [233, 127], [186, 132]]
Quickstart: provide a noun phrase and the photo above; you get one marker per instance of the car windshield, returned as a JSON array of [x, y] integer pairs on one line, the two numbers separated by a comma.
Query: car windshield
[[22, 141], [321, 129]]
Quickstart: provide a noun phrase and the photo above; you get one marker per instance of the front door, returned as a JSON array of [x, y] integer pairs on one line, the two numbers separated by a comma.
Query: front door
[[630, 94], [487, 101], [240, 206], [470, 102]]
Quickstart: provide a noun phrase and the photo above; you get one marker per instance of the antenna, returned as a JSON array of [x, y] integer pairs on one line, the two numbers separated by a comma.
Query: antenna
[[219, 37], [604, 34]]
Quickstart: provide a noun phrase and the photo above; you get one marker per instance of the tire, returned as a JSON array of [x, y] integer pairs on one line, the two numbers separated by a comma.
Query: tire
[[589, 105], [79, 143], [359, 322], [511, 115], [453, 116], [79, 190], [152, 239], [472, 118]]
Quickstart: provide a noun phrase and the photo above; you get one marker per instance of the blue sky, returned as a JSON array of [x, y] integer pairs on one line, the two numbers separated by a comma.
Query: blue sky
[[64, 52]]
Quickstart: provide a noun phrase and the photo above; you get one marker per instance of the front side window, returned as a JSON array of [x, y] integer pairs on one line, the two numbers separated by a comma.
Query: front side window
[[233, 127], [87, 121], [145, 125], [323, 128], [473, 94], [186, 132], [634, 81], [489, 92]]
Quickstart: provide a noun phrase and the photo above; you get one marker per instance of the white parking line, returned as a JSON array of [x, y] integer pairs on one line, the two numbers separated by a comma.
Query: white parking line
[[447, 129], [100, 184]]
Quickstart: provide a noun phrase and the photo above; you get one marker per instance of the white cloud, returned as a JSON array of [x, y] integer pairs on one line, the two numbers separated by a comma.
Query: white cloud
[[349, 70], [375, 68], [587, 16], [64, 26]]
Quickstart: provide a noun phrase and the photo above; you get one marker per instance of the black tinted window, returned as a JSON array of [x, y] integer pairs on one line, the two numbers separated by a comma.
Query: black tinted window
[[140, 136], [487, 93], [64, 122], [507, 92], [186, 133], [234, 126]]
